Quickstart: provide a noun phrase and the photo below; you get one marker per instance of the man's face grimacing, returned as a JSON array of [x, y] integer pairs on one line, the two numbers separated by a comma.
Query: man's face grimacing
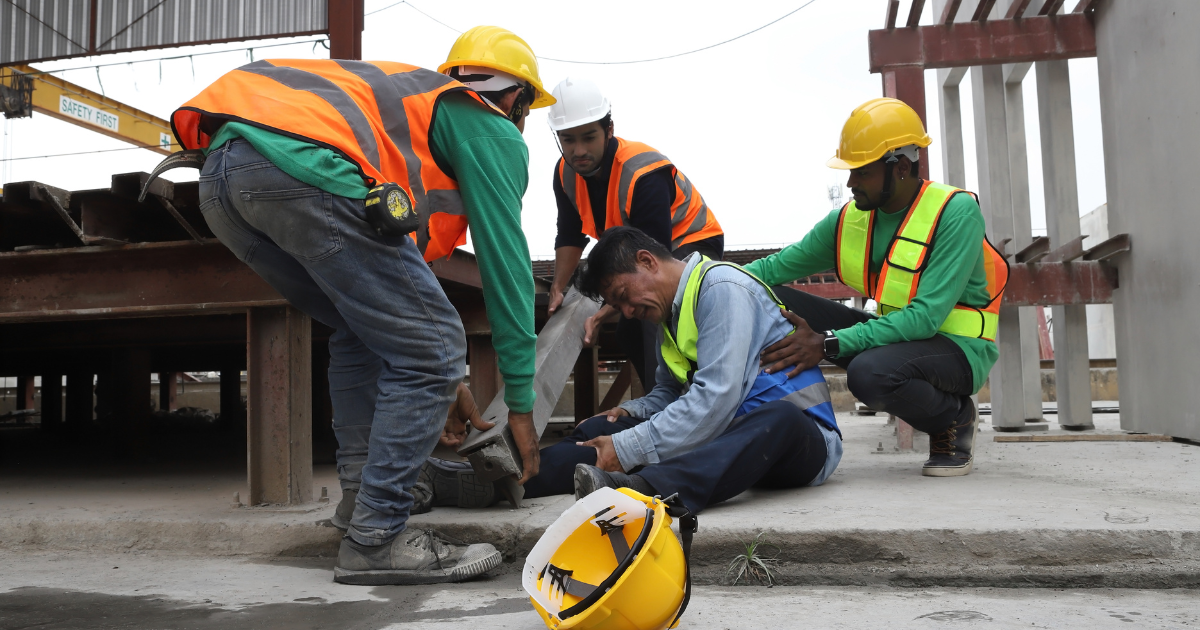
[[643, 294], [583, 146]]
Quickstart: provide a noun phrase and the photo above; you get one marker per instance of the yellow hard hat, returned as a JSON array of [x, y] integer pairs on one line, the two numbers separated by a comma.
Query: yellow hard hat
[[876, 127], [499, 49], [610, 561]]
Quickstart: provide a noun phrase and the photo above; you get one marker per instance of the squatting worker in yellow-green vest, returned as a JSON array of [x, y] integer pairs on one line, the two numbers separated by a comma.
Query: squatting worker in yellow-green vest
[[918, 249], [293, 149]]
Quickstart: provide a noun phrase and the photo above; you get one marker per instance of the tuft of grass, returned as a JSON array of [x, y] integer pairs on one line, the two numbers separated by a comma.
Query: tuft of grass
[[752, 565]]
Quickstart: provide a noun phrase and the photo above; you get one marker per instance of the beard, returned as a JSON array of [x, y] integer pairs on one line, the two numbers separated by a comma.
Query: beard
[[868, 203]]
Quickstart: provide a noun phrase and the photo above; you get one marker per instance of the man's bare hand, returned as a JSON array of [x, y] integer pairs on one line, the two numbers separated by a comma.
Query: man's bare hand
[[606, 453], [802, 349], [591, 327], [462, 411], [614, 413], [526, 437], [556, 300]]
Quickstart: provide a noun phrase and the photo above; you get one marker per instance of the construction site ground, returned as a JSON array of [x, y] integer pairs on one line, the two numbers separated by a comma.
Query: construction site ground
[[1063, 515]]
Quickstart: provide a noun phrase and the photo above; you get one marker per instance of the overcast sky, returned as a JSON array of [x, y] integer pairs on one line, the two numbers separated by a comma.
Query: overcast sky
[[751, 122]]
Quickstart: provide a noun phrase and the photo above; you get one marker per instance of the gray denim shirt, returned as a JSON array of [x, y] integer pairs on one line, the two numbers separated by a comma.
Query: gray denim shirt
[[736, 320]]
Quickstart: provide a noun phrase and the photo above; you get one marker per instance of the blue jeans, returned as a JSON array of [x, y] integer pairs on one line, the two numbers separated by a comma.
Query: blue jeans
[[398, 351]]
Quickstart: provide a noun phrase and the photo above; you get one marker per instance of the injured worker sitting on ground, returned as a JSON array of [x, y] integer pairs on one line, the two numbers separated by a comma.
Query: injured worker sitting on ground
[[714, 425]]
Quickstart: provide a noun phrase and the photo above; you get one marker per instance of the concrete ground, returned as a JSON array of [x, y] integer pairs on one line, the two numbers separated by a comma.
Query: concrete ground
[[137, 590], [1094, 514]]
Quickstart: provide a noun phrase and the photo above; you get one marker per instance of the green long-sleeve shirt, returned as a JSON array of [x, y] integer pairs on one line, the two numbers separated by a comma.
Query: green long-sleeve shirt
[[490, 162], [954, 274]]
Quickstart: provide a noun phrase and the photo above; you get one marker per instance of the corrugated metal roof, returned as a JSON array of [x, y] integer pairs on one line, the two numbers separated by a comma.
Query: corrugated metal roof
[[39, 30]]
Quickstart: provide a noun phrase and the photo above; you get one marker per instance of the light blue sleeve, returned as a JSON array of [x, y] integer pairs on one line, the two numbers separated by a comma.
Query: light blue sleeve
[[666, 389], [732, 324]]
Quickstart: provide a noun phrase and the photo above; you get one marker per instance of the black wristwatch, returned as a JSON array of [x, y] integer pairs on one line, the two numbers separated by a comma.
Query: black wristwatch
[[831, 345]]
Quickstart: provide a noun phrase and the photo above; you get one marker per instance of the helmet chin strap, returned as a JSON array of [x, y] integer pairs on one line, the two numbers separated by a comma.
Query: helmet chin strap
[[889, 184]]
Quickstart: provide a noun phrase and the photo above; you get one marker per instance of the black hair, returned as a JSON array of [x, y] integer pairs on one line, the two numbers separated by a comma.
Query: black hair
[[615, 254]]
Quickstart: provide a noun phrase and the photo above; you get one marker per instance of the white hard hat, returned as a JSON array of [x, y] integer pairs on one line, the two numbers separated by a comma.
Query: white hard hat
[[579, 102]]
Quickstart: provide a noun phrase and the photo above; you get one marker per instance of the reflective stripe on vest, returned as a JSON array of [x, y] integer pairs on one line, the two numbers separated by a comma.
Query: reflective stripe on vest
[[897, 283], [375, 114], [691, 219], [679, 351]]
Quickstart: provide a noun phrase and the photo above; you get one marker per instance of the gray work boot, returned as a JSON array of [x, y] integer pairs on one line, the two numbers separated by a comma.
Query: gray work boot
[[345, 509], [951, 452], [456, 484], [413, 557], [589, 479]]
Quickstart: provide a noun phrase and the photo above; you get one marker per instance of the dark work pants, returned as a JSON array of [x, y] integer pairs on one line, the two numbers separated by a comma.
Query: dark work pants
[[638, 339], [925, 383], [775, 446]]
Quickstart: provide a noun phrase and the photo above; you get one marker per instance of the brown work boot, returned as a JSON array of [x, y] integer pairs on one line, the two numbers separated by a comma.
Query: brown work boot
[[415, 556], [951, 452]]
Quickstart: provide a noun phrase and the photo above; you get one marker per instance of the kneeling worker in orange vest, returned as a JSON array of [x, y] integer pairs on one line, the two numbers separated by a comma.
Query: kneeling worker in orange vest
[[918, 249], [603, 181], [337, 181]]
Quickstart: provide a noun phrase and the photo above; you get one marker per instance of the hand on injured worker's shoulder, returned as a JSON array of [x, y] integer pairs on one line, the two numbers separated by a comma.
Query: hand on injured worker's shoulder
[[802, 349], [462, 411], [606, 453]]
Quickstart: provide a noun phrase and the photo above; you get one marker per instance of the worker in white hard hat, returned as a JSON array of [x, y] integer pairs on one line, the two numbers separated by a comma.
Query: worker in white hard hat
[[602, 181]]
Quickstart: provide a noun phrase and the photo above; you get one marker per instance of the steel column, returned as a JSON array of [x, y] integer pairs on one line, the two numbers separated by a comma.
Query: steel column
[[166, 390], [485, 374], [908, 85], [52, 401], [279, 405], [25, 393], [232, 411], [80, 392], [345, 29], [1071, 366], [587, 384]]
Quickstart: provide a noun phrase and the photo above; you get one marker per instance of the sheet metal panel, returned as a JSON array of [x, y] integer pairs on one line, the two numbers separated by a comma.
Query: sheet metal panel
[[40, 30]]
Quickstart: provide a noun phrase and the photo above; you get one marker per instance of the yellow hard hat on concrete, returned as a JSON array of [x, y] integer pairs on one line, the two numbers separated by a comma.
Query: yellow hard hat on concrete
[[876, 127], [499, 49], [611, 561]]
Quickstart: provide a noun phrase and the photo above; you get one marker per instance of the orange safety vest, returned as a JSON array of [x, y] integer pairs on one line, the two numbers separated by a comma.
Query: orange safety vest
[[897, 283], [691, 220], [376, 114]]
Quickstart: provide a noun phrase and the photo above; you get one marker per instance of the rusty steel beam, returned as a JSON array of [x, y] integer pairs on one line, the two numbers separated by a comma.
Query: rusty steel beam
[[1048, 284], [1036, 251], [1017, 9], [141, 279], [1040, 38], [914, 13], [1084, 6], [1116, 245], [949, 12], [1071, 250], [279, 405], [893, 11], [1051, 7], [982, 10]]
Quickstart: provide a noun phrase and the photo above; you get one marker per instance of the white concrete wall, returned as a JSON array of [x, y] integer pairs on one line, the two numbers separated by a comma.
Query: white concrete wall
[[1150, 109]]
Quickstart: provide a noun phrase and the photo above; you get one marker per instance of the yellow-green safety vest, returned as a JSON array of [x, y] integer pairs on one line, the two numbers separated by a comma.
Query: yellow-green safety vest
[[679, 351], [896, 284]]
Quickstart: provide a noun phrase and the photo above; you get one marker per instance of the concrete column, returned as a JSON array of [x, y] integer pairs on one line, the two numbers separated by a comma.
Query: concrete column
[[954, 165], [279, 405], [1072, 373], [995, 198], [1018, 160], [1146, 52]]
